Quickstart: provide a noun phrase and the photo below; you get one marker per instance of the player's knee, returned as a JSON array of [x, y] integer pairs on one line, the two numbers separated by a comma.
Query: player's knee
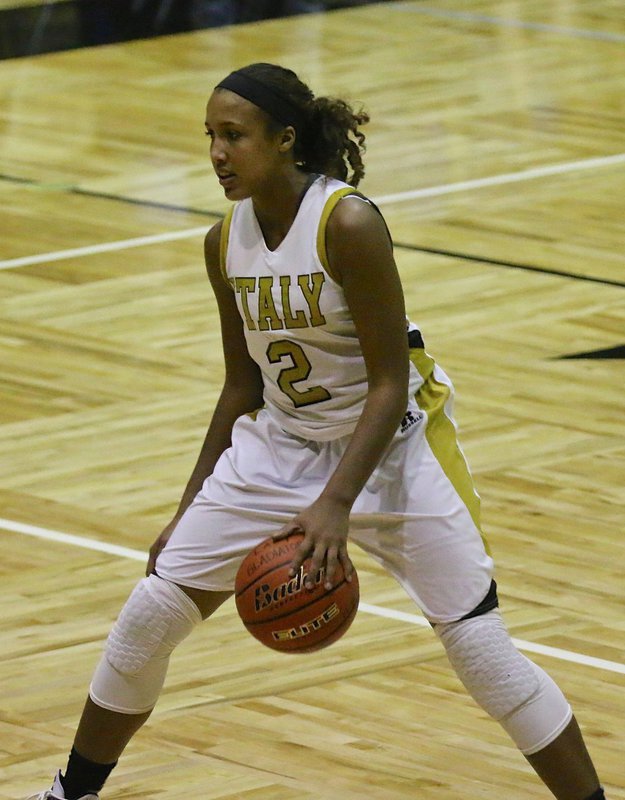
[[506, 684], [157, 616], [496, 675]]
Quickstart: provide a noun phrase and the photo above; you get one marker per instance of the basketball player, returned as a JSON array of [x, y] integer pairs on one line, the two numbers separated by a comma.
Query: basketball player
[[332, 420]]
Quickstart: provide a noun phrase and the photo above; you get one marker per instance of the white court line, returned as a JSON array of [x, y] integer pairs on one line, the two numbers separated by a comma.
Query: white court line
[[503, 22], [399, 197], [379, 611], [506, 177], [75, 541], [106, 247]]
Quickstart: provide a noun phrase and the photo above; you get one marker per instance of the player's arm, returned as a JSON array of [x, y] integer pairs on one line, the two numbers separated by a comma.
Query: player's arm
[[360, 254], [242, 391]]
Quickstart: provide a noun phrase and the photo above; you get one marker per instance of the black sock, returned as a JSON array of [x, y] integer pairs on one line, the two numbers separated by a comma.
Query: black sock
[[598, 795], [83, 776]]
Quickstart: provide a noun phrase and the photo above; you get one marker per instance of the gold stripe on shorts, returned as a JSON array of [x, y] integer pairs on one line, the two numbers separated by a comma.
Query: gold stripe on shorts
[[441, 435]]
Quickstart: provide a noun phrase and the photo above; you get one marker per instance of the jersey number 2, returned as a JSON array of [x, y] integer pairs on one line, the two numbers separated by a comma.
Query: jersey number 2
[[298, 371]]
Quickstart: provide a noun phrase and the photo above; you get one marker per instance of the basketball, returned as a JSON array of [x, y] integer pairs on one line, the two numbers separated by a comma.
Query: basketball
[[280, 611]]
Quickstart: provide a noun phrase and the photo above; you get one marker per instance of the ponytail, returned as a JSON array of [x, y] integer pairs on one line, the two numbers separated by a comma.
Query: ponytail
[[332, 142]]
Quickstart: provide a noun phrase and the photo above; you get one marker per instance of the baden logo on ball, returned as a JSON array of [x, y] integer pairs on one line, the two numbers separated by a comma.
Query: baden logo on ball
[[280, 611]]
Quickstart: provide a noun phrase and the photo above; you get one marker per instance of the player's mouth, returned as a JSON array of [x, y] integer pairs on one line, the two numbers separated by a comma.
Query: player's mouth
[[226, 178]]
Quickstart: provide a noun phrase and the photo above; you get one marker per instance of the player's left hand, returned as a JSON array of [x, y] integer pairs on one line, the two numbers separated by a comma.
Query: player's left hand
[[325, 526]]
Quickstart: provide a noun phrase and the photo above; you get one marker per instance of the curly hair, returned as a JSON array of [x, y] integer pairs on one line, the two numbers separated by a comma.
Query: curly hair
[[329, 139]]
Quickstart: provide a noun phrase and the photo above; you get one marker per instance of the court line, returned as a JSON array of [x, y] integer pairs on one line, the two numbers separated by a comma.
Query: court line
[[499, 262], [367, 608], [413, 194], [505, 177], [502, 22], [119, 198], [105, 247]]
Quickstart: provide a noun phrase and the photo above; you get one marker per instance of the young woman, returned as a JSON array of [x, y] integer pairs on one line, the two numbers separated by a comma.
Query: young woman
[[332, 420]]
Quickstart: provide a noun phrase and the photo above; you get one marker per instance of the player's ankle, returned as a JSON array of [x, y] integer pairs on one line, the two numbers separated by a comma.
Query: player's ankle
[[83, 776]]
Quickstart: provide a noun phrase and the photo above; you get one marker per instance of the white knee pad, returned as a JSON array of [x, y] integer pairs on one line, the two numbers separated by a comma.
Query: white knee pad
[[507, 685], [157, 616]]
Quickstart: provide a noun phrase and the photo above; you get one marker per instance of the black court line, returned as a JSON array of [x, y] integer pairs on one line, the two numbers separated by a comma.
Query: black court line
[[510, 264], [147, 203], [399, 245], [118, 198], [617, 352]]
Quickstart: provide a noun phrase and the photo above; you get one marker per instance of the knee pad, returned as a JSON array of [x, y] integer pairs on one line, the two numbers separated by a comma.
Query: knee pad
[[506, 684], [157, 616]]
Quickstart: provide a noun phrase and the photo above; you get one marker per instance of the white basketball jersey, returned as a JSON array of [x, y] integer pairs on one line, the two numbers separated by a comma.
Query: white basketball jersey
[[296, 320]]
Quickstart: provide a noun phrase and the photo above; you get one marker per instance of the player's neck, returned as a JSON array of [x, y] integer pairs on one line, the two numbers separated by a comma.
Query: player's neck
[[277, 210]]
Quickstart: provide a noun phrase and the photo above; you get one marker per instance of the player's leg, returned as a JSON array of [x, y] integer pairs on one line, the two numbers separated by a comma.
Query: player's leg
[[157, 617], [430, 540], [195, 574], [102, 734], [124, 691], [524, 700], [564, 758]]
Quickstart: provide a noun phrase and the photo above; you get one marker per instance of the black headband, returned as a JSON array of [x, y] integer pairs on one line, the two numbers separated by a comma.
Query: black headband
[[276, 104]]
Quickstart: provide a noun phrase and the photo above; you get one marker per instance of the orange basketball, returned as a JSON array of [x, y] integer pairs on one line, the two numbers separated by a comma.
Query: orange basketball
[[280, 611]]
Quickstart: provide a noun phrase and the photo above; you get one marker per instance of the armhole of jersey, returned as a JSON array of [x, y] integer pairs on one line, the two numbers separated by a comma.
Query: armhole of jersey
[[329, 207], [223, 244]]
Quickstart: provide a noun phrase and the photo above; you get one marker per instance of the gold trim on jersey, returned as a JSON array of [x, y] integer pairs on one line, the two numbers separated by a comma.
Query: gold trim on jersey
[[441, 435], [223, 244], [329, 207]]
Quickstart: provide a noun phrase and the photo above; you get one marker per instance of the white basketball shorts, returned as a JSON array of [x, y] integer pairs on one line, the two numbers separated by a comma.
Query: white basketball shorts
[[418, 515]]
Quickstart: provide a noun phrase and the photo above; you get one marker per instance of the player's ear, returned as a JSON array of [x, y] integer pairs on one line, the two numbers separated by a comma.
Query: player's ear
[[286, 139]]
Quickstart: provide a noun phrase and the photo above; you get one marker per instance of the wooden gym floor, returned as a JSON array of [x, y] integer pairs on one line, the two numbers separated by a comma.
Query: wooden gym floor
[[497, 152]]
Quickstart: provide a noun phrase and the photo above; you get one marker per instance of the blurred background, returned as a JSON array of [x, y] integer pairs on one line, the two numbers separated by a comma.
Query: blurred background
[[28, 28]]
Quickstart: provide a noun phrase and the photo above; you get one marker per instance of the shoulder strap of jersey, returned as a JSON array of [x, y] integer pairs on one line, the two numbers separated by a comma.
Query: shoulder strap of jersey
[[331, 203], [328, 208], [223, 243]]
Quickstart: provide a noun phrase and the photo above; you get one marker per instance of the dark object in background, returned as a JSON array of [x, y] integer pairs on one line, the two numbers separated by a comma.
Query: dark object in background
[[212, 13], [51, 26]]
